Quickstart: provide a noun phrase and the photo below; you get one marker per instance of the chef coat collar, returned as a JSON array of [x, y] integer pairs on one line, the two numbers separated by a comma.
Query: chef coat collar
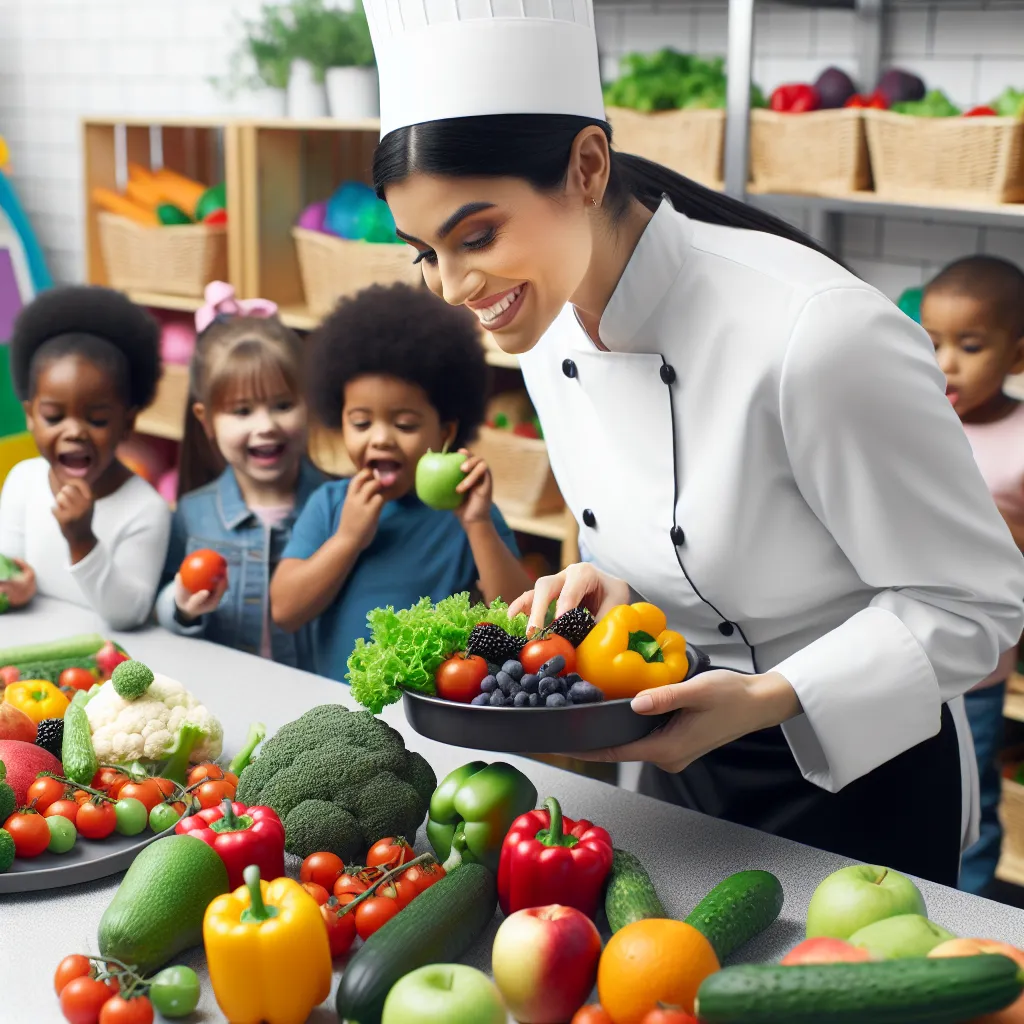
[[651, 271]]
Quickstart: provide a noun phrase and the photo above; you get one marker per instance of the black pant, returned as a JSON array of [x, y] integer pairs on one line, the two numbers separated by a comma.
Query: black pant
[[905, 815]]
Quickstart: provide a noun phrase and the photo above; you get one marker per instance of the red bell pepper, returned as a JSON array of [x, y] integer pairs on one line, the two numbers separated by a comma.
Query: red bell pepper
[[240, 836], [981, 112], [795, 99], [876, 101], [547, 859]]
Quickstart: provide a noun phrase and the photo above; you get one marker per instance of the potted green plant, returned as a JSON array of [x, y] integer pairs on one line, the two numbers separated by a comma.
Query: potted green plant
[[351, 77], [310, 26], [261, 64]]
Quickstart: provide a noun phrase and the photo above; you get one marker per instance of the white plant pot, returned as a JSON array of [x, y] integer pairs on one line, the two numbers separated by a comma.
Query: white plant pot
[[307, 98], [268, 103], [353, 93]]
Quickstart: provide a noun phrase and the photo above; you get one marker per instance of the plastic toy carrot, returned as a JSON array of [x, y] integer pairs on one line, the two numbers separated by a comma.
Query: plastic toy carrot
[[112, 202]]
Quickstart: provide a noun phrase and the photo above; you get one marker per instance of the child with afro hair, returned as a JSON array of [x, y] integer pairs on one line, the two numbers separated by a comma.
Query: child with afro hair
[[84, 362], [400, 372]]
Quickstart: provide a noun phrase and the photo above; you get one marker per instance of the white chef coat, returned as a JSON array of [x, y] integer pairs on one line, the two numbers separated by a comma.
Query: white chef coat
[[767, 453]]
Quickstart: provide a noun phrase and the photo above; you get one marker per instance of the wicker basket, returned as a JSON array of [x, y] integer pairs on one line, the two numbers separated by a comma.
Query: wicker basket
[[819, 152], [687, 141], [332, 267], [173, 260], [954, 160], [523, 482]]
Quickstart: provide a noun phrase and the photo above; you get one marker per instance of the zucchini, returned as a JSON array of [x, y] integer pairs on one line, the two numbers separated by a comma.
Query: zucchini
[[630, 894], [51, 670], [437, 927], [77, 753], [920, 990], [53, 650], [736, 910]]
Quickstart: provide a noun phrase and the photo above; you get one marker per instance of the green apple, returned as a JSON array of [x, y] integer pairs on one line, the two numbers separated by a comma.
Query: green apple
[[444, 994], [437, 476], [853, 897], [895, 938]]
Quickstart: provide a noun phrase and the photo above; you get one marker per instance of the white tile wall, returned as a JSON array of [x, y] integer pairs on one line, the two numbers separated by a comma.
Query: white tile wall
[[60, 59]]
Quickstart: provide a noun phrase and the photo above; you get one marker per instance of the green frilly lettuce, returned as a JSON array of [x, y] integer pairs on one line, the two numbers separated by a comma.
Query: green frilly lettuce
[[407, 647]]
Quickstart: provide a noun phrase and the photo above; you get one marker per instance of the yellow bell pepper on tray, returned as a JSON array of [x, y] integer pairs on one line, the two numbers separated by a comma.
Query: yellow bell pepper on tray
[[38, 698], [267, 952], [630, 650]]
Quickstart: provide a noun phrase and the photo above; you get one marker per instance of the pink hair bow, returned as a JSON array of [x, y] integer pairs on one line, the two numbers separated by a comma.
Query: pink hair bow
[[220, 301]]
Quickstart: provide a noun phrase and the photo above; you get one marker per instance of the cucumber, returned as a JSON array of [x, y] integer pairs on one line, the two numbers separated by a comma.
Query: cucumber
[[437, 927], [76, 752], [51, 670], [53, 650], [736, 910], [630, 894], [920, 990]]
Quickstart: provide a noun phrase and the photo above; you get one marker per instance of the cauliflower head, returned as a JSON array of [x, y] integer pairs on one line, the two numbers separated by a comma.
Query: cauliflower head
[[147, 728]]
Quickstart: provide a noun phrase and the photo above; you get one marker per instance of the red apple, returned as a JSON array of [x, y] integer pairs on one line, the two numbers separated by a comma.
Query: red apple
[[544, 962], [108, 657], [1012, 1014], [824, 950]]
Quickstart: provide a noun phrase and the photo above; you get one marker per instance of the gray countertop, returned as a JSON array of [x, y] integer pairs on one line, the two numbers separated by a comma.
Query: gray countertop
[[686, 853]]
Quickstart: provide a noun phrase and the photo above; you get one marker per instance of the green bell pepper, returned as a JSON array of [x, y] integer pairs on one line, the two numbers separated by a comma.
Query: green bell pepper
[[472, 810]]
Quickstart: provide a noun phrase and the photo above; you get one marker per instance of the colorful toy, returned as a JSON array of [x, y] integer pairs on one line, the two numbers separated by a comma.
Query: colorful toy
[[313, 216], [164, 197], [354, 212], [177, 341]]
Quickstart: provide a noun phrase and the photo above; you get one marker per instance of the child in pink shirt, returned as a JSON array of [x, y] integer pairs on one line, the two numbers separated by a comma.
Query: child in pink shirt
[[974, 312]]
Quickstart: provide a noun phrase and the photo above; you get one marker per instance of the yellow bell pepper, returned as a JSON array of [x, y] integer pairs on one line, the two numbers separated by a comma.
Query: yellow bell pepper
[[630, 650], [267, 952], [38, 698]]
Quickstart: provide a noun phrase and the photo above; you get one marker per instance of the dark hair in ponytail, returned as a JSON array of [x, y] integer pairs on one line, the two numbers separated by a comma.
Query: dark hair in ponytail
[[536, 149]]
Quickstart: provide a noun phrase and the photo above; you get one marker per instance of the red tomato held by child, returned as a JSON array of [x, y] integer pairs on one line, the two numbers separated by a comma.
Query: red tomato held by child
[[202, 570], [537, 652], [459, 678]]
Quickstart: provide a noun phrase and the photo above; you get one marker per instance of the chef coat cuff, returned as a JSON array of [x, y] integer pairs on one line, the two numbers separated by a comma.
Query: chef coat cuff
[[868, 693]]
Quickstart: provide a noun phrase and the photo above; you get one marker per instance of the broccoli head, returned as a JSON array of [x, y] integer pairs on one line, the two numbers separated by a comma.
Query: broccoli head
[[340, 780]]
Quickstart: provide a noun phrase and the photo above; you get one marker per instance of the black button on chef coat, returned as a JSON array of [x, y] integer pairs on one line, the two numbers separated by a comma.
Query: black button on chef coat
[[677, 535], [568, 368], [589, 519], [668, 374]]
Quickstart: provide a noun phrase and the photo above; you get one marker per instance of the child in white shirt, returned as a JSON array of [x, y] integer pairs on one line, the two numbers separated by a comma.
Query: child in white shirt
[[84, 362]]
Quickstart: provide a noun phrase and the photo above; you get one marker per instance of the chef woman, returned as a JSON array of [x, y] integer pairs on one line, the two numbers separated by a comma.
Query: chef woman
[[750, 438]]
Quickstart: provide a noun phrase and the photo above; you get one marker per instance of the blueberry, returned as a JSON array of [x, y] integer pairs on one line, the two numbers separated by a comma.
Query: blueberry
[[555, 700], [514, 690], [530, 682], [572, 677], [547, 686], [488, 684], [496, 699], [505, 682], [534, 700], [582, 692], [481, 699], [513, 668], [553, 666], [522, 700]]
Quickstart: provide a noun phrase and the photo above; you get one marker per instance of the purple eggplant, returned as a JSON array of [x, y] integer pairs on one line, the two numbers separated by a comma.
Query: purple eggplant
[[834, 87], [900, 87]]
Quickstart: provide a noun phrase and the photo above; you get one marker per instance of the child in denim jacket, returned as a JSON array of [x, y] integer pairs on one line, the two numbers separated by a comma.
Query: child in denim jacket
[[244, 475]]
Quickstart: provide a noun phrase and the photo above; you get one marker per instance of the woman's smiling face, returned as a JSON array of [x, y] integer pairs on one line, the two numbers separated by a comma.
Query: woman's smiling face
[[513, 255]]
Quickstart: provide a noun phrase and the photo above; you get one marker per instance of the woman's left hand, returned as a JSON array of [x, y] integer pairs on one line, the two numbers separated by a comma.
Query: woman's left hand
[[712, 709], [478, 489]]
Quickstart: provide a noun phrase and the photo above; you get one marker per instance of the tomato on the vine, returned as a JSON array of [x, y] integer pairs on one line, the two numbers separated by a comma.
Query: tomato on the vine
[[668, 1015], [43, 792], [212, 794], [82, 999], [341, 928], [459, 678], [165, 816], [77, 679], [71, 967], [423, 876], [81, 797], [592, 1014], [133, 1010], [110, 780], [174, 992], [96, 819], [29, 831], [406, 891], [389, 852], [543, 649], [167, 787], [202, 570], [322, 868], [318, 892], [65, 808], [374, 912], [147, 792]]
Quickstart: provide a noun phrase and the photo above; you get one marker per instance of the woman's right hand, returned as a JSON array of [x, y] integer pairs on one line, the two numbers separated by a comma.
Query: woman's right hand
[[202, 602], [577, 584]]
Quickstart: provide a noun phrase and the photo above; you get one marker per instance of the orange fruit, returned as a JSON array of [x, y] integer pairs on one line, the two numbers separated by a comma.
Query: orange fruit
[[649, 962]]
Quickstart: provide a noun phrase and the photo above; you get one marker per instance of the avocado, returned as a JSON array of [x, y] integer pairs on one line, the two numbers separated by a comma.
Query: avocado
[[157, 911]]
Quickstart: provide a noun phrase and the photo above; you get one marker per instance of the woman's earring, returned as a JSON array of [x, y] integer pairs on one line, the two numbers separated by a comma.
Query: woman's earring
[[593, 200]]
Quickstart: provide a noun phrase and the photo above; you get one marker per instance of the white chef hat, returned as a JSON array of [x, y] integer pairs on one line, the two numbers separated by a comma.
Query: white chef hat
[[439, 59]]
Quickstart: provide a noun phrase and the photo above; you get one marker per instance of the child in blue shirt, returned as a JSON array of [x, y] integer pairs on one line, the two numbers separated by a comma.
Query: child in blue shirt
[[400, 372]]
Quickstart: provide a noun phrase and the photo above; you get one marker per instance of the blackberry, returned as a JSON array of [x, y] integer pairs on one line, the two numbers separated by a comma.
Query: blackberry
[[574, 625], [50, 735], [493, 644]]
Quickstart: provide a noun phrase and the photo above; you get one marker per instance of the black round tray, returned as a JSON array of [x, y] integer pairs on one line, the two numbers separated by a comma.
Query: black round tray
[[576, 727]]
